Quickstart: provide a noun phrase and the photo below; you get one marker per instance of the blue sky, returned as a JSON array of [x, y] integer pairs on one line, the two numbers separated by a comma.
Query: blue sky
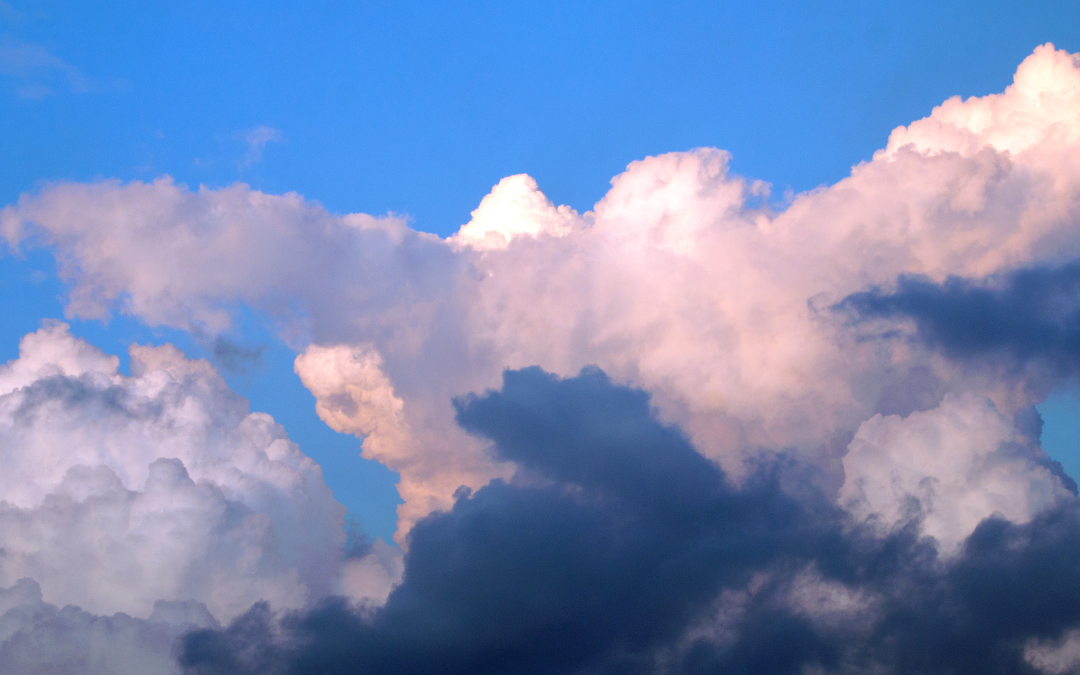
[[420, 108]]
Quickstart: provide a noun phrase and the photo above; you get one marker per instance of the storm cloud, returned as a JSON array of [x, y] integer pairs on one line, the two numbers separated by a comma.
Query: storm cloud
[[1031, 314], [618, 548]]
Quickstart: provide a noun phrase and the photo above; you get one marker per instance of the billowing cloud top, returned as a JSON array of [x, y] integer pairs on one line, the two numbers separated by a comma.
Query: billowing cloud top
[[855, 335], [157, 495]]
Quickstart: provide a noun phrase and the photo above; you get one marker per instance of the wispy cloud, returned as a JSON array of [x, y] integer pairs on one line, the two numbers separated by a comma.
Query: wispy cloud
[[256, 140], [37, 72]]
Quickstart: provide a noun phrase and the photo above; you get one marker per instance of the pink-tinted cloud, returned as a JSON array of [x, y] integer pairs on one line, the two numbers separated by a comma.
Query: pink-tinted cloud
[[679, 281]]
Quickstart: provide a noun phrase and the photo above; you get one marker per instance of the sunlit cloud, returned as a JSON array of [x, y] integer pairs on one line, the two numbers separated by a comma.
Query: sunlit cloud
[[685, 430]]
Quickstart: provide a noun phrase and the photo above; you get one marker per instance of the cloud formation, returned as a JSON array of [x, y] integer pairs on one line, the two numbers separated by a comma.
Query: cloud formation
[[120, 491], [729, 438], [613, 535], [1027, 316], [38, 637], [618, 548], [127, 499], [950, 468], [682, 280]]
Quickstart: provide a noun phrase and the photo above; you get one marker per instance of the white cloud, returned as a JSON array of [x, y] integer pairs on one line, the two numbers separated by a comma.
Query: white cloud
[[1037, 110], [677, 281], [121, 491], [1055, 657], [951, 466], [516, 207]]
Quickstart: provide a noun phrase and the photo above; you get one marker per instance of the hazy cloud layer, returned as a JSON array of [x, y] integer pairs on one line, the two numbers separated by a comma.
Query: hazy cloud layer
[[36, 72]]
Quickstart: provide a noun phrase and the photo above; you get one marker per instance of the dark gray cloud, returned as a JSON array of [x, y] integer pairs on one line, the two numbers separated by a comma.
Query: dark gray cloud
[[617, 548], [235, 357], [1029, 314]]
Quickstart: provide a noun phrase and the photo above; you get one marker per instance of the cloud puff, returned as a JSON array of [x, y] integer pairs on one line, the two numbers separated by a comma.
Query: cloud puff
[[949, 468], [1037, 110], [120, 491], [516, 207]]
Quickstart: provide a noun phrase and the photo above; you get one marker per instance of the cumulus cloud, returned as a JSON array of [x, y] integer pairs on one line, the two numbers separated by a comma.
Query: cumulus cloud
[[134, 501], [835, 466], [680, 280], [949, 468], [38, 637], [516, 207], [119, 491]]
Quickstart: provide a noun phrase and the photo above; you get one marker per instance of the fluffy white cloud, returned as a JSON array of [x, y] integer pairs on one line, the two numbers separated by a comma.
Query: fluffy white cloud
[[951, 467], [516, 207], [1037, 110], [122, 491], [680, 280]]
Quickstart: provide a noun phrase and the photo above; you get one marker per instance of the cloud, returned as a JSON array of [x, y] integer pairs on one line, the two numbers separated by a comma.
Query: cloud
[[680, 281], [121, 491], [234, 357], [1026, 315], [516, 207], [612, 536], [38, 637], [37, 72], [950, 468], [618, 548], [257, 139], [730, 438]]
